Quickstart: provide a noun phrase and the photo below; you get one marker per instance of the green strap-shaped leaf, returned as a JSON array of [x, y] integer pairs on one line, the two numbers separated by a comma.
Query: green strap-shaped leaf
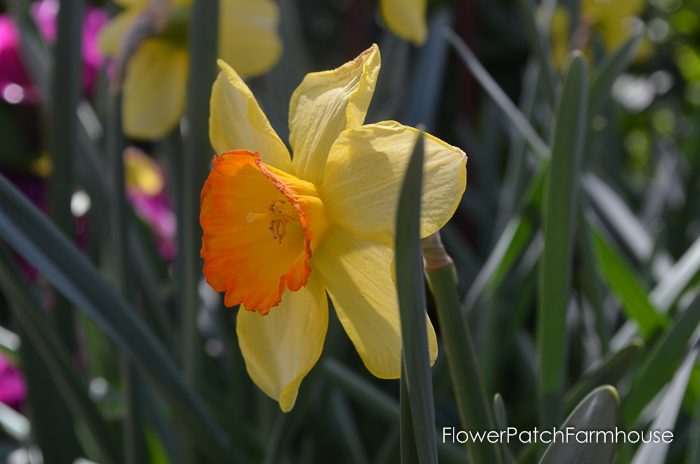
[[677, 278], [558, 226], [520, 122], [407, 434], [203, 42], [416, 377], [48, 362], [598, 412], [660, 364], [431, 65], [348, 429], [510, 245], [654, 452], [538, 43], [500, 417], [612, 66], [133, 430], [506, 251], [30, 233], [66, 86], [589, 280], [14, 424], [610, 370], [379, 403], [633, 297], [614, 211]]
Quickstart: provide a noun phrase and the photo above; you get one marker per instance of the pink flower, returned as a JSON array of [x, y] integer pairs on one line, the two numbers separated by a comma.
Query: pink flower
[[155, 211], [145, 187], [12, 386], [15, 85]]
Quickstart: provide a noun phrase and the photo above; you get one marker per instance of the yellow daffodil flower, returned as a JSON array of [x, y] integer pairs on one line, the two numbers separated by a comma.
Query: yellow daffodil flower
[[406, 18], [559, 31], [142, 173], [612, 20], [278, 233], [156, 77]]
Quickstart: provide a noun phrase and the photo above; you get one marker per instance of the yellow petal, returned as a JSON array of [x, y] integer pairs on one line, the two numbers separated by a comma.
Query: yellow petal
[[142, 173], [281, 348], [236, 121], [129, 3], [325, 104], [612, 11], [154, 90], [248, 39], [159, 3], [615, 29], [559, 32], [405, 18], [357, 274], [112, 34], [364, 172], [616, 21]]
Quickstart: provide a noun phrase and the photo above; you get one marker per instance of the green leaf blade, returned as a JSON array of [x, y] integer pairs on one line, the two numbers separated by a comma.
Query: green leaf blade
[[661, 362], [416, 376], [559, 224], [48, 250], [520, 122], [599, 412], [628, 289], [667, 414]]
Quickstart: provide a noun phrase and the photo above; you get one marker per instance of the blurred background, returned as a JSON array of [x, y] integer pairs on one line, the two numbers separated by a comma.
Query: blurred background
[[113, 349]]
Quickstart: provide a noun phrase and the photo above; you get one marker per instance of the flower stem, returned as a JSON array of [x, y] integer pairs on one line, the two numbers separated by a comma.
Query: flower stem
[[134, 446], [66, 85], [202, 72], [203, 41], [472, 402]]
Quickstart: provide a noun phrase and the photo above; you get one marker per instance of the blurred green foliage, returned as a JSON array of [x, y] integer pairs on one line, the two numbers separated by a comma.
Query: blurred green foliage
[[623, 311]]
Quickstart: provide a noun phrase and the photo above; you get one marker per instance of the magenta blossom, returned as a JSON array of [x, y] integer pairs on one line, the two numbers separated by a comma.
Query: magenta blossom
[[145, 187], [12, 386], [155, 211], [15, 85]]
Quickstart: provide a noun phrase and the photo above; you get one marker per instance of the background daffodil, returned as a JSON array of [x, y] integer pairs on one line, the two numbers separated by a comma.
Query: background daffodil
[[612, 20], [406, 18], [156, 77], [280, 232]]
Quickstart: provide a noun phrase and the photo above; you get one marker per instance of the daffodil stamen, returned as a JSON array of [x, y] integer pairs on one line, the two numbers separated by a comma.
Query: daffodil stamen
[[280, 219]]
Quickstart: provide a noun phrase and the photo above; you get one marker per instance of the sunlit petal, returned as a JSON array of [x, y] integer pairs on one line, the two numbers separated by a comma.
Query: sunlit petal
[[325, 104], [112, 34], [154, 90], [248, 39], [357, 274], [406, 18], [281, 348], [364, 172], [236, 121]]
